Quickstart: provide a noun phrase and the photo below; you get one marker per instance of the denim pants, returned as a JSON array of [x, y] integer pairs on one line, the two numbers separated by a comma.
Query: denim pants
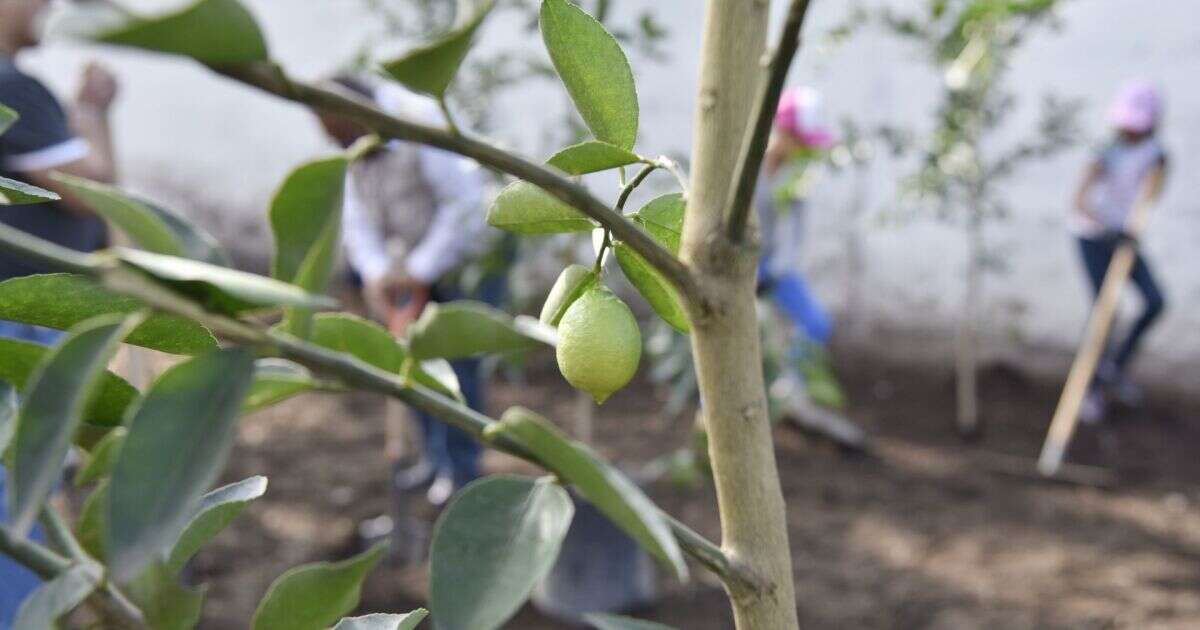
[[17, 582], [1096, 254], [791, 294], [451, 450]]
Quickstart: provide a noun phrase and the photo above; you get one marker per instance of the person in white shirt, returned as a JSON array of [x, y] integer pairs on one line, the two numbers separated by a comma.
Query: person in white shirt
[[1103, 202], [414, 215]]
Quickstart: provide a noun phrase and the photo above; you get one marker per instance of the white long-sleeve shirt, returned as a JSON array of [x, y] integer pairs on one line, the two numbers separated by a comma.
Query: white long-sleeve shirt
[[459, 228]]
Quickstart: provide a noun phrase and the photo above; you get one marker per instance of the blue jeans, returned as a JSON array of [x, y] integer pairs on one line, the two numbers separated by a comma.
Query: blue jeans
[[17, 582], [1097, 253], [791, 294], [450, 450]]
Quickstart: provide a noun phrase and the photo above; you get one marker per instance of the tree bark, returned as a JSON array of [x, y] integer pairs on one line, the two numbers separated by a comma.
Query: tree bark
[[725, 339], [967, 342]]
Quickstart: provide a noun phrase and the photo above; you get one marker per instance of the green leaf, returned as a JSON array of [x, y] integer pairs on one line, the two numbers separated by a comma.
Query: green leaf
[[573, 282], [522, 208], [276, 380], [591, 157], [598, 482], [604, 621], [407, 621], [90, 527], [216, 510], [659, 293], [8, 413], [430, 67], [496, 540], [314, 596], [214, 32], [19, 361], [662, 218], [167, 604], [56, 598], [149, 226], [225, 290], [13, 192], [53, 409], [8, 116], [595, 71], [306, 218], [62, 300], [101, 460], [373, 344], [453, 330], [179, 439]]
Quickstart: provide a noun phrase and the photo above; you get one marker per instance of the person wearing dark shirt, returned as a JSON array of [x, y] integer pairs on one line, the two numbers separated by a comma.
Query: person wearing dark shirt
[[46, 138]]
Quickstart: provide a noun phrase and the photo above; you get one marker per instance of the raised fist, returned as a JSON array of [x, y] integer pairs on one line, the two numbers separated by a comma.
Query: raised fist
[[98, 88]]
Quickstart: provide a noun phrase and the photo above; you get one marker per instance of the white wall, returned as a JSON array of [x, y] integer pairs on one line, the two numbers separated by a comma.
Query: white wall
[[206, 144]]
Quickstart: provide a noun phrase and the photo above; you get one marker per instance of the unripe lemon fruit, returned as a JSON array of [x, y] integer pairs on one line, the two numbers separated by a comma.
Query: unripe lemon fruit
[[599, 344]]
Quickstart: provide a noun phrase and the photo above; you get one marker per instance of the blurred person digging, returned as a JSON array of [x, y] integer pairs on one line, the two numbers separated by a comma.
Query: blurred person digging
[[47, 137], [413, 216]]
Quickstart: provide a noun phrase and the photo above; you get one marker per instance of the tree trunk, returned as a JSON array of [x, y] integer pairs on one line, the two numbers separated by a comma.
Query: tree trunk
[[725, 338], [967, 343]]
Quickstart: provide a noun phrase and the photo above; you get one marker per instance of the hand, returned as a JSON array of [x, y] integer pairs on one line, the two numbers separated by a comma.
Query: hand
[[97, 89], [405, 315]]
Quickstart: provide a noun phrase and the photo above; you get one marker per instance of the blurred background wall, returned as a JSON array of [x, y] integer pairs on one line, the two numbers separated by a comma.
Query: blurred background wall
[[216, 150]]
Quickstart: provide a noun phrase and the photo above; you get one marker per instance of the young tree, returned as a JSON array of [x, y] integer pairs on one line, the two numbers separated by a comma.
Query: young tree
[[155, 454], [970, 42]]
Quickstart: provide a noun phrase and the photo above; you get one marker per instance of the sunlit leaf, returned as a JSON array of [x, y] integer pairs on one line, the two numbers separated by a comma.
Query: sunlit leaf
[[373, 344], [216, 510], [54, 599], [218, 288], [380, 621], [662, 218], [314, 596], [572, 283], [276, 380], [523, 208], [496, 540], [597, 481], [306, 218], [591, 157], [430, 67], [61, 300], [454, 330], [179, 439], [595, 71], [210, 31], [150, 227], [13, 192], [53, 409]]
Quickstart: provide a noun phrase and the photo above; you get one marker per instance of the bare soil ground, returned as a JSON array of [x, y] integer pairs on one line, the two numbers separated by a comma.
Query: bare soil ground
[[917, 535]]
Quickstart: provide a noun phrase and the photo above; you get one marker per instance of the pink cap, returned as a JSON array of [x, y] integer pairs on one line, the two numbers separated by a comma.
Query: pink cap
[[1137, 107], [801, 116]]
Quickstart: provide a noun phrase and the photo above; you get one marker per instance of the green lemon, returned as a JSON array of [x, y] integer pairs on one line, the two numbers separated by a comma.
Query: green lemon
[[599, 344]]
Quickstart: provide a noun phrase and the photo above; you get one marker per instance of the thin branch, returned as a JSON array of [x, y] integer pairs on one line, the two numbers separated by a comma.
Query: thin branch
[[108, 599], [272, 79], [347, 368], [60, 536], [755, 145]]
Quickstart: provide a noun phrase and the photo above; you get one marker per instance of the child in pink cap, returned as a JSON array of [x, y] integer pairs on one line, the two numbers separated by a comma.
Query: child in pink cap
[[799, 140], [1103, 202]]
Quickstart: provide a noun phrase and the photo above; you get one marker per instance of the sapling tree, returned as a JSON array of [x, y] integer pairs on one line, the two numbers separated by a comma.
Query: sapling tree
[[970, 43], [248, 341]]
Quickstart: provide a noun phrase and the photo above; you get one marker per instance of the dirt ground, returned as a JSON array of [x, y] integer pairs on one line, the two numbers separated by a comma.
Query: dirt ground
[[917, 535]]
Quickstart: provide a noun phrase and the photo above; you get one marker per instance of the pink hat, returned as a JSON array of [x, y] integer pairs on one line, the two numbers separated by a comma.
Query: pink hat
[[1137, 108], [800, 115]]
